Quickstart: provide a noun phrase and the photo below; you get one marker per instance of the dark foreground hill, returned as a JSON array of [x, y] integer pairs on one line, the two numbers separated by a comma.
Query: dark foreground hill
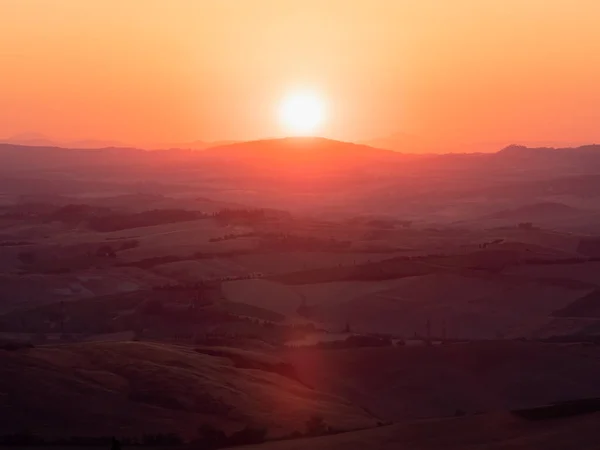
[[499, 431], [400, 383], [131, 388]]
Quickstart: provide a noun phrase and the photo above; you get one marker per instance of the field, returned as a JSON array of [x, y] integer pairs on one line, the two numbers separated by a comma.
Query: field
[[456, 281]]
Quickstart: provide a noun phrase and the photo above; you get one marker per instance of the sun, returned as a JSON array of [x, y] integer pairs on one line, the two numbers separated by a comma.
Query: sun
[[302, 113]]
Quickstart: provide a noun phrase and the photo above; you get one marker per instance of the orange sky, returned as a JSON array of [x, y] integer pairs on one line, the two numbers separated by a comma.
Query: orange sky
[[150, 71]]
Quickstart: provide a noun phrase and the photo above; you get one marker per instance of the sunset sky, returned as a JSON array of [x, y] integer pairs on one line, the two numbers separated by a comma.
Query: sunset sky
[[153, 71]]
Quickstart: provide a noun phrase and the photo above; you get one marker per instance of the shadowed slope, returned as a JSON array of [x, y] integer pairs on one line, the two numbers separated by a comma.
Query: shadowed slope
[[97, 388], [483, 432]]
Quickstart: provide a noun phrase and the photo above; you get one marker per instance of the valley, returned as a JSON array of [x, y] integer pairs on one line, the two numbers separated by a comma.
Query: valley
[[371, 306]]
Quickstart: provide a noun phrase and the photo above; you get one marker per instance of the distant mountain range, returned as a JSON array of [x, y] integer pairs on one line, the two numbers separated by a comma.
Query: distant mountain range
[[412, 143], [298, 150], [193, 145], [41, 140], [324, 154], [398, 142], [328, 176]]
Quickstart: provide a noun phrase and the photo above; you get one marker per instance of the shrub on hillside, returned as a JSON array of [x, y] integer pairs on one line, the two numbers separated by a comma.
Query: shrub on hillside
[[122, 221], [132, 243], [161, 439], [14, 243], [316, 426], [248, 436], [240, 215], [21, 439], [73, 213], [12, 346], [105, 251], [525, 226], [29, 439], [357, 341], [209, 438], [27, 257], [152, 307]]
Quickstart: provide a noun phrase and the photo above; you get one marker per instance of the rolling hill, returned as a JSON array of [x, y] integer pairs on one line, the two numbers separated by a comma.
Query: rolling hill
[[98, 388], [141, 387], [300, 150], [400, 383], [499, 431]]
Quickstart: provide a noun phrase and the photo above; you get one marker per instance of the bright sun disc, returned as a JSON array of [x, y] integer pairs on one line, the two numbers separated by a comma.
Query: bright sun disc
[[302, 113]]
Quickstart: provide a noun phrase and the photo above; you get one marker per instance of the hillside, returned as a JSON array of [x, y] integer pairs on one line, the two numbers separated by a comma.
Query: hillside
[[138, 387], [499, 431], [299, 150], [535, 210], [133, 387], [164, 290], [548, 214], [322, 176], [419, 382], [587, 307], [24, 291], [475, 307]]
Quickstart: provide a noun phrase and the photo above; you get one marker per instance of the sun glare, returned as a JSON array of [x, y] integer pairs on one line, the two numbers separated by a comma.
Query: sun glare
[[302, 113]]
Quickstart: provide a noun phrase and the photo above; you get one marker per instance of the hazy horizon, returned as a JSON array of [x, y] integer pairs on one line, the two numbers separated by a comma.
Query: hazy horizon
[[398, 142]]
